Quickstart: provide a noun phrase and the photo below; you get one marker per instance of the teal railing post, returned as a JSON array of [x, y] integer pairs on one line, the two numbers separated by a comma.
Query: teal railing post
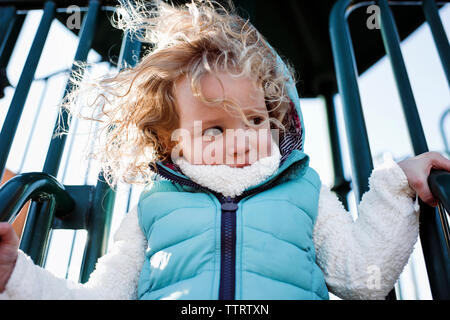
[[7, 17], [49, 195], [56, 147], [344, 61], [443, 131], [7, 46], [341, 186], [440, 38], [86, 36], [347, 80], [18, 101], [101, 214], [433, 222]]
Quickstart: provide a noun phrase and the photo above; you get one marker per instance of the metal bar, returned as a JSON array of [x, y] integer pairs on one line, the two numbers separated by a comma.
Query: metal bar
[[18, 101], [48, 195], [69, 151], [43, 223], [130, 51], [359, 4], [341, 186], [443, 133], [432, 231], [440, 38], [130, 192], [33, 127], [391, 42], [63, 178], [56, 148], [8, 45], [99, 226], [64, 10], [439, 182], [72, 246], [101, 215], [7, 17], [8, 32], [346, 73], [15, 192]]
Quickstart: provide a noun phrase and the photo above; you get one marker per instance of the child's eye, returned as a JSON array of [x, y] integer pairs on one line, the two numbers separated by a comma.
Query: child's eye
[[257, 120], [212, 131]]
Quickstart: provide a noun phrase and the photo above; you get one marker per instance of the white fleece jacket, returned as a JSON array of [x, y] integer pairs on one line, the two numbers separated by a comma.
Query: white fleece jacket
[[360, 259]]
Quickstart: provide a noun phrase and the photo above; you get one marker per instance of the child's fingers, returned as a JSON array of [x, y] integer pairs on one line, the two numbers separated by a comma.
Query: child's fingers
[[440, 162], [420, 185], [7, 234], [429, 199]]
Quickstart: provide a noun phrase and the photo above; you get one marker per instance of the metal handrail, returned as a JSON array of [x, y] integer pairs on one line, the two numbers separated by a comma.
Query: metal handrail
[[48, 195], [432, 223], [38, 225], [37, 186], [439, 182], [443, 133]]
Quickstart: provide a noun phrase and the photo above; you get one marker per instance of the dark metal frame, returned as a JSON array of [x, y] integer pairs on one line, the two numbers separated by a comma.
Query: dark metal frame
[[433, 222], [94, 210]]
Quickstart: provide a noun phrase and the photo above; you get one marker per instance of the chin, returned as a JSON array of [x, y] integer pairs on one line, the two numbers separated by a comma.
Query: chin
[[239, 165]]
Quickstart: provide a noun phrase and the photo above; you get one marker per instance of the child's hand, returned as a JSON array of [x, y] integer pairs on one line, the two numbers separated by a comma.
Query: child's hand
[[9, 244], [417, 169]]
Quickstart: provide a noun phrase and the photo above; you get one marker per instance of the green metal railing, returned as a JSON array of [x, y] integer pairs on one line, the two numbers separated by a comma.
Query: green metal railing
[[443, 131], [47, 193], [434, 232], [94, 205], [23, 87], [341, 185]]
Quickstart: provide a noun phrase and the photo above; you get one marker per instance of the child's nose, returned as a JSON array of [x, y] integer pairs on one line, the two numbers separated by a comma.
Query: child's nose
[[238, 143]]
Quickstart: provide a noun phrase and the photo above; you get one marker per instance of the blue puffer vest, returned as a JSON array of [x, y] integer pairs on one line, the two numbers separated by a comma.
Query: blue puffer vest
[[257, 246]]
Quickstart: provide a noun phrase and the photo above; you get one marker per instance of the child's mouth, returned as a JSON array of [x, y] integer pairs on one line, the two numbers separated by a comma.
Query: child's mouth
[[239, 165]]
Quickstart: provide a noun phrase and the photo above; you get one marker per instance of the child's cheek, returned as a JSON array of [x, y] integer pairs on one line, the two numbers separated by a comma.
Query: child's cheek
[[264, 145], [194, 151], [213, 151], [202, 151]]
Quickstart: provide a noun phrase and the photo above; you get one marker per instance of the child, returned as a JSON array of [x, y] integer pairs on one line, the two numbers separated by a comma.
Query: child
[[222, 219]]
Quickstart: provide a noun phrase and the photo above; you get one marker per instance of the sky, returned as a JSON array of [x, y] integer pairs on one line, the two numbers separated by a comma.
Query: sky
[[381, 107]]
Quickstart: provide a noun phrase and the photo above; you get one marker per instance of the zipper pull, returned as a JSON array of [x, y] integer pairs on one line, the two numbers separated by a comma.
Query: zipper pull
[[229, 204]]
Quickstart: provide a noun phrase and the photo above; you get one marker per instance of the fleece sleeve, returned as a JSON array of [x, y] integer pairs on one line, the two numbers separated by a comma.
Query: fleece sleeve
[[115, 276], [363, 259]]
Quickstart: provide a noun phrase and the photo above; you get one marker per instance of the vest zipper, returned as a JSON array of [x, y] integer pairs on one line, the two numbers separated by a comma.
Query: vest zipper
[[228, 250], [227, 285]]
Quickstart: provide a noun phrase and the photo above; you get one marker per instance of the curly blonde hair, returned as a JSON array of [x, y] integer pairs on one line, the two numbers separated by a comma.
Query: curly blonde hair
[[136, 108]]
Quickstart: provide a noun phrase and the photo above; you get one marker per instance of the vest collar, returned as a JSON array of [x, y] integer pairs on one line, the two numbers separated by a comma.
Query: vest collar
[[231, 181]]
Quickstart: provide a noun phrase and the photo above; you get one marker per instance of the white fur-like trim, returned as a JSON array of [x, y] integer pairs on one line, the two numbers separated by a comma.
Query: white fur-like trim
[[115, 277], [231, 181], [363, 259]]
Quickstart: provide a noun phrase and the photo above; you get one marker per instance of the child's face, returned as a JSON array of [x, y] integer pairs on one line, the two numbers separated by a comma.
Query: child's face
[[211, 135]]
